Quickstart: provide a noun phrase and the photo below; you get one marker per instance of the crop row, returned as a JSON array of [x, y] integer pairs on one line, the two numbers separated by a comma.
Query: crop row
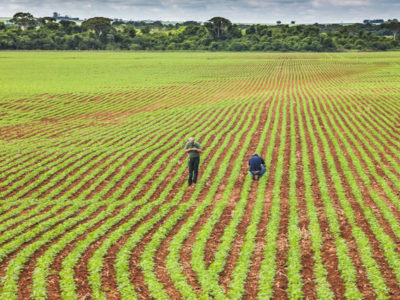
[[97, 182]]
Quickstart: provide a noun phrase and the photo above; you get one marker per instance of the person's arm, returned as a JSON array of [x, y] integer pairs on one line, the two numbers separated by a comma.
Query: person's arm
[[198, 148], [187, 149], [263, 163]]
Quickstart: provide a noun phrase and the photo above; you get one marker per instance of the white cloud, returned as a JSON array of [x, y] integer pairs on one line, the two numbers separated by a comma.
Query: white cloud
[[262, 11], [344, 3], [341, 3]]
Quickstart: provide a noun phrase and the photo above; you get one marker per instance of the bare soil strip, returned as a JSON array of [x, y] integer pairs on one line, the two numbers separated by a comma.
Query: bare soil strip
[[120, 112], [108, 278], [251, 287], [185, 254], [54, 291], [362, 222], [108, 269], [252, 283], [4, 263], [215, 238], [328, 248], [126, 176], [281, 281], [36, 162], [60, 211], [15, 225], [307, 260], [14, 215], [25, 280], [380, 125], [374, 182], [363, 283], [338, 114], [32, 181]]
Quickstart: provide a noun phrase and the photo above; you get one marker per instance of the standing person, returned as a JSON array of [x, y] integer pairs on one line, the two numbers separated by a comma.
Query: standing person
[[193, 149], [257, 167]]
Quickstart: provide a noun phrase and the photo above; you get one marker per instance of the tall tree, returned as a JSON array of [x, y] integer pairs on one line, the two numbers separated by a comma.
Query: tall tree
[[100, 25], [24, 20], [48, 22], [218, 26], [394, 27], [68, 26]]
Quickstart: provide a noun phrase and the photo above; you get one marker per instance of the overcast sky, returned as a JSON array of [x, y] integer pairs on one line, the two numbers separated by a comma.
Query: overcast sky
[[240, 11]]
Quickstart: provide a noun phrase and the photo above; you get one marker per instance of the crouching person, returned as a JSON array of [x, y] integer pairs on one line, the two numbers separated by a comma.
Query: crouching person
[[257, 167]]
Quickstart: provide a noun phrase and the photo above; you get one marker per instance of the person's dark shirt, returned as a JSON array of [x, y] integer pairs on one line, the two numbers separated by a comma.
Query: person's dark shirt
[[255, 163]]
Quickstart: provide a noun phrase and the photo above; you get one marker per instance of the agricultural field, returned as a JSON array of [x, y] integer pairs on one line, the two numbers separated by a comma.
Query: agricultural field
[[94, 201]]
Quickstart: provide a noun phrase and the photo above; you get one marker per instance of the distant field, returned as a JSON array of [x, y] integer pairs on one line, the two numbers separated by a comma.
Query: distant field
[[94, 200]]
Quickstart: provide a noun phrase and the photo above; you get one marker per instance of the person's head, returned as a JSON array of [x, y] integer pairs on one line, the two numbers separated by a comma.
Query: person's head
[[191, 139], [255, 154]]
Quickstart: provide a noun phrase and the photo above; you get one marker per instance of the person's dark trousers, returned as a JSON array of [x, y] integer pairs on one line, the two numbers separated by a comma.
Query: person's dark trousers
[[193, 169]]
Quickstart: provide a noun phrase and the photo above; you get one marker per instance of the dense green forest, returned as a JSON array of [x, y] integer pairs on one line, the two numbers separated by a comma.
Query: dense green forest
[[25, 32]]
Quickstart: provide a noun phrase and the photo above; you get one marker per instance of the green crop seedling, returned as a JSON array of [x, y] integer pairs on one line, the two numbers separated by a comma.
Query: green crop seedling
[[94, 200]]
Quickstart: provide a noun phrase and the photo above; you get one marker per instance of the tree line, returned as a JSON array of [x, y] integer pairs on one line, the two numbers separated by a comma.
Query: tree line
[[218, 34]]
